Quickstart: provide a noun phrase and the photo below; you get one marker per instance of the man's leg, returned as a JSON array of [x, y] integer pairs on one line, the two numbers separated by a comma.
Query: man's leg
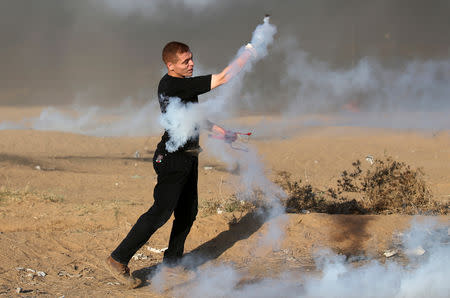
[[172, 177], [185, 213]]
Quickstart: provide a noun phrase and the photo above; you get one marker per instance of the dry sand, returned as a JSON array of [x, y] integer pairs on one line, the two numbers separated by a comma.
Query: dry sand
[[65, 218]]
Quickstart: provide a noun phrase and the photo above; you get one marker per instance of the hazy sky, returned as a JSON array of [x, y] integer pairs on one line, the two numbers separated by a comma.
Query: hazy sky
[[101, 51]]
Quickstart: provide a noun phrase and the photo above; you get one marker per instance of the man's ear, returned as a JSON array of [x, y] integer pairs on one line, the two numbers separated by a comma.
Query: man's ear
[[170, 66]]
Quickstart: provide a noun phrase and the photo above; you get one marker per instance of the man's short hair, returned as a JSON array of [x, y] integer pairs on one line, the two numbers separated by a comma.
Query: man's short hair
[[169, 53]]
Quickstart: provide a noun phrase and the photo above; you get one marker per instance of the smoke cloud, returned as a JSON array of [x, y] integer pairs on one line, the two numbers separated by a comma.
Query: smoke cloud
[[129, 119], [183, 121], [55, 49], [425, 276], [316, 87]]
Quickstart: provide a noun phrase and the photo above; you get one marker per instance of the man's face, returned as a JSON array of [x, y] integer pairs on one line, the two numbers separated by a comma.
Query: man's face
[[184, 67]]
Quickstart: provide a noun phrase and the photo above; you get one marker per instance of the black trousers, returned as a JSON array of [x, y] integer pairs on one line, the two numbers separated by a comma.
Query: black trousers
[[175, 191]]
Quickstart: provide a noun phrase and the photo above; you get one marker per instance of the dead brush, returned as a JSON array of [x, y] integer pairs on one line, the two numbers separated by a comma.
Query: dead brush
[[300, 197], [388, 186]]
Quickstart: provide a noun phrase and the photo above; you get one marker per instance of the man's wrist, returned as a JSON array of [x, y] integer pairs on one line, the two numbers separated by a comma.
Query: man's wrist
[[217, 129]]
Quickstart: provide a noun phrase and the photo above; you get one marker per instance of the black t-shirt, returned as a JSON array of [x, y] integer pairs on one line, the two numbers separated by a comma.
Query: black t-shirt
[[187, 89]]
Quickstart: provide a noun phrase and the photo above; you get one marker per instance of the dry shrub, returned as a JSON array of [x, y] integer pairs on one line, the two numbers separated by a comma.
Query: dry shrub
[[304, 198], [232, 204], [300, 197], [25, 194], [394, 186], [388, 186]]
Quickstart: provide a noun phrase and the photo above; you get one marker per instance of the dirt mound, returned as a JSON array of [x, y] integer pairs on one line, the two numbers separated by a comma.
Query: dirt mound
[[386, 187]]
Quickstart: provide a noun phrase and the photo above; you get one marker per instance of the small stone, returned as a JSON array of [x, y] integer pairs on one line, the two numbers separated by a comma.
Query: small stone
[[31, 270], [219, 211], [140, 256], [19, 290], [208, 168], [137, 154], [155, 250], [62, 273], [38, 168], [306, 211], [116, 184], [369, 159], [41, 273], [20, 268], [390, 252]]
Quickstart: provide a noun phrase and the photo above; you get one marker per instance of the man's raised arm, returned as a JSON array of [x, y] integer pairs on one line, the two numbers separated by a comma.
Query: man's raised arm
[[234, 67]]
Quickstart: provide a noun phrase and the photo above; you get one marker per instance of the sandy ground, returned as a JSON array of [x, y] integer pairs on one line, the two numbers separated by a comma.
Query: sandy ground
[[64, 217]]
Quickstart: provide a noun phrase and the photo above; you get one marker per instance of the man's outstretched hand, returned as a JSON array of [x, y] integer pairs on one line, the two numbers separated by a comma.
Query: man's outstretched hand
[[227, 135], [251, 49]]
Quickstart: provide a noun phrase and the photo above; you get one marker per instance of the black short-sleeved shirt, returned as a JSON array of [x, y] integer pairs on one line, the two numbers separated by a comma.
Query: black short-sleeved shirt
[[187, 89]]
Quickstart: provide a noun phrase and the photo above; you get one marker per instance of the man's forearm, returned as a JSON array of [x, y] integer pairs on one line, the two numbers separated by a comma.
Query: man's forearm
[[234, 68]]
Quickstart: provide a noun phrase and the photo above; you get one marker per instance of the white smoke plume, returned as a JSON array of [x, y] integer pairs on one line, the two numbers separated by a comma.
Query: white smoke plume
[[125, 120], [253, 179], [183, 121], [263, 37], [425, 276]]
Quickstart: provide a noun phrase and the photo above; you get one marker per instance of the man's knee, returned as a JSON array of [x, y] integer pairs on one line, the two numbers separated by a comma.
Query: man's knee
[[186, 216]]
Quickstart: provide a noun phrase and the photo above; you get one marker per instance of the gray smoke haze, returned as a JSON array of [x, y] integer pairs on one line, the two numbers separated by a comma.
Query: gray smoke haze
[[109, 50], [328, 57]]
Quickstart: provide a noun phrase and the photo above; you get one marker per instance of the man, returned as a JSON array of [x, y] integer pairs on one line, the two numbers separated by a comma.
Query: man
[[176, 188]]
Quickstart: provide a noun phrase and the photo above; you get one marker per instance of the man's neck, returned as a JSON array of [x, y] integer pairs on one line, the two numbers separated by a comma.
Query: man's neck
[[174, 74]]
